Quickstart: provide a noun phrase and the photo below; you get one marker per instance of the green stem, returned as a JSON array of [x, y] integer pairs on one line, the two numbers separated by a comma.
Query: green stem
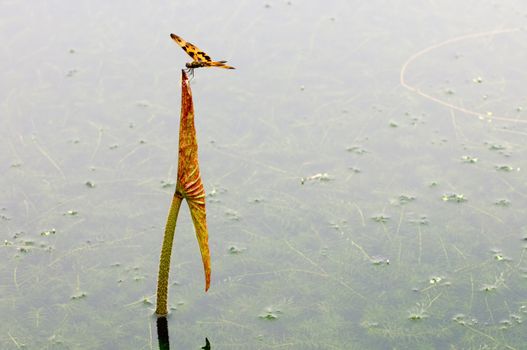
[[164, 260]]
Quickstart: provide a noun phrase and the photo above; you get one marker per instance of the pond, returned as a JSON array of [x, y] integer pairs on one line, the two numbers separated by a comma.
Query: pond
[[364, 169]]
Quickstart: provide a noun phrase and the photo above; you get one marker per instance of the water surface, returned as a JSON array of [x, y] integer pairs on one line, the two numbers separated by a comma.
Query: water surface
[[364, 168]]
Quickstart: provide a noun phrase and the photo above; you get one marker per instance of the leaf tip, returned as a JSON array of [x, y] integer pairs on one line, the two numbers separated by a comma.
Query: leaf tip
[[207, 280]]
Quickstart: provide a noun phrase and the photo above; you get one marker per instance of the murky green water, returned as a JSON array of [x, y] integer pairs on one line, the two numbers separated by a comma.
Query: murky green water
[[364, 168]]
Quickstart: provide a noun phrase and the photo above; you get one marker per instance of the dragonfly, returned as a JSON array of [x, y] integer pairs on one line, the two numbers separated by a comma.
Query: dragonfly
[[199, 58]]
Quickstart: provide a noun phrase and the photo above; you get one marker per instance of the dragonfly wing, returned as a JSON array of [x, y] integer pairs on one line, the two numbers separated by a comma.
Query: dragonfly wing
[[191, 49]]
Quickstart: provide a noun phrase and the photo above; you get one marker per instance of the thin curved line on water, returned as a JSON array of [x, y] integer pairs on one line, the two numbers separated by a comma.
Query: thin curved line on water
[[442, 102]]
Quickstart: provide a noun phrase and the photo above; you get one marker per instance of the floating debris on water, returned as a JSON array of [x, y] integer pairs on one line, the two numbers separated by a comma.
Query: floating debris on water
[[23, 250], [270, 314], [423, 220], [48, 232], [256, 200], [215, 194], [79, 295], [356, 150], [454, 197], [469, 159], [322, 177], [338, 225], [505, 324], [435, 279], [502, 203], [498, 255], [405, 199], [232, 214], [464, 320], [506, 168], [489, 287], [379, 260], [496, 147], [90, 184], [167, 183], [499, 281], [380, 218], [235, 250]]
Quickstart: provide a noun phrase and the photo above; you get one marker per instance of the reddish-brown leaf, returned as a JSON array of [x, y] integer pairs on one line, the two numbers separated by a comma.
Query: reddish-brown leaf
[[189, 185]]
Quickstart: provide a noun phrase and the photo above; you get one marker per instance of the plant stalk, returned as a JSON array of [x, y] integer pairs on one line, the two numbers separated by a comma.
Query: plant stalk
[[164, 260]]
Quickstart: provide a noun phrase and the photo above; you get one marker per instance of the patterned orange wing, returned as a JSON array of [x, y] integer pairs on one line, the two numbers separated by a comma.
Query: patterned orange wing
[[191, 49]]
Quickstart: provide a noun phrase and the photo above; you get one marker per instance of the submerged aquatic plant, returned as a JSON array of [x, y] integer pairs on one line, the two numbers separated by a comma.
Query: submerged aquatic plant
[[189, 187], [498, 283], [270, 313], [418, 312]]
